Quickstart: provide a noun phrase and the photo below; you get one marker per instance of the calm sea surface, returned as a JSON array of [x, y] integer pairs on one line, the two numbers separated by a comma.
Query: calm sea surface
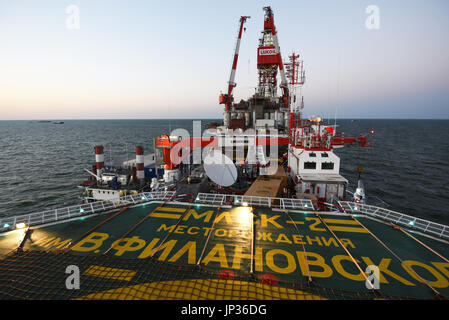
[[41, 163]]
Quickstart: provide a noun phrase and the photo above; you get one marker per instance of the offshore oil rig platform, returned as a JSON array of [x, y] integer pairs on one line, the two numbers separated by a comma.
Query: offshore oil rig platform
[[251, 208]]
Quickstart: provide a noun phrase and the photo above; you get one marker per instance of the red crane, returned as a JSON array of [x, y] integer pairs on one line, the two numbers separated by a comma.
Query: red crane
[[227, 98]]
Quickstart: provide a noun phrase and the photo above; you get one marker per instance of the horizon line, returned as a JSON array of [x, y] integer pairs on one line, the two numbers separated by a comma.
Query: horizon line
[[104, 119]]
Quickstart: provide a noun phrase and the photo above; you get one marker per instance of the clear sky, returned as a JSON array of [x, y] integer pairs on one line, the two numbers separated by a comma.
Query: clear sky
[[170, 59]]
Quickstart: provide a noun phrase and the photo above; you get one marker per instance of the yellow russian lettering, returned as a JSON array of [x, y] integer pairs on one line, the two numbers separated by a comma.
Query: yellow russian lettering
[[317, 260], [297, 238], [327, 243], [96, 239], [165, 228], [347, 242], [190, 230], [265, 220], [383, 269], [206, 232], [310, 240], [313, 225], [221, 258], [192, 213], [439, 282], [226, 215], [220, 232], [443, 267], [58, 243], [264, 236], [238, 256], [130, 244], [189, 247], [43, 241], [291, 263], [336, 261], [283, 238], [167, 247], [180, 229]]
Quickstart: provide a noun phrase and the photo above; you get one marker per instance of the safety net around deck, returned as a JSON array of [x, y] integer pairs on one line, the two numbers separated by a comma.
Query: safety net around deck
[[49, 275]]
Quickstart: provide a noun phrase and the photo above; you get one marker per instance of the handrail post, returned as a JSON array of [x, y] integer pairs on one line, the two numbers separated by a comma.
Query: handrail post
[[442, 231]]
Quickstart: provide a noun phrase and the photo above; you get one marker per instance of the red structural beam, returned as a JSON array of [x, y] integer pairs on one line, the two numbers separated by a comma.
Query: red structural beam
[[172, 150], [338, 141]]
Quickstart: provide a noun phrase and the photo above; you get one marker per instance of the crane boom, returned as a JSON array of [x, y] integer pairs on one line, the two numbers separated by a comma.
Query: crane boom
[[231, 82], [227, 98]]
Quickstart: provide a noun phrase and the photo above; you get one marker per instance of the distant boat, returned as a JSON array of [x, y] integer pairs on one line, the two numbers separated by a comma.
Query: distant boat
[[44, 121], [58, 122]]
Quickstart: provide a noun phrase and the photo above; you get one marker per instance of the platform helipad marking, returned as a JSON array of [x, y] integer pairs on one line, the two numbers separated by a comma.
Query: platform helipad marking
[[341, 221], [295, 222], [200, 289], [171, 209], [165, 215], [110, 273], [357, 229], [348, 229]]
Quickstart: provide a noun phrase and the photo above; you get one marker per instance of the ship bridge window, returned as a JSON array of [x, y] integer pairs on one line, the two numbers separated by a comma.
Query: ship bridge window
[[324, 155], [327, 166], [312, 154], [309, 165]]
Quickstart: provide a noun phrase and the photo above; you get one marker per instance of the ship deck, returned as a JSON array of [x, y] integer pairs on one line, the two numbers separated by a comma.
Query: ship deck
[[166, 250]]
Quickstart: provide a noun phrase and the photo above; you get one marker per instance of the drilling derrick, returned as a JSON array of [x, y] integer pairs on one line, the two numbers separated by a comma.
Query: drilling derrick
[[266, 103], [269, 60], [265, 110]]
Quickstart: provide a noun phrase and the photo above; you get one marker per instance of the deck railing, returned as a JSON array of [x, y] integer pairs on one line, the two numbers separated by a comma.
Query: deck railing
[[7, 223], [279, 203], [410, 222]]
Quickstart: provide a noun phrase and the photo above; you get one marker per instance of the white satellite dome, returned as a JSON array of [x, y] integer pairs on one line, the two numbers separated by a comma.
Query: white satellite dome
[[219, 168]]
